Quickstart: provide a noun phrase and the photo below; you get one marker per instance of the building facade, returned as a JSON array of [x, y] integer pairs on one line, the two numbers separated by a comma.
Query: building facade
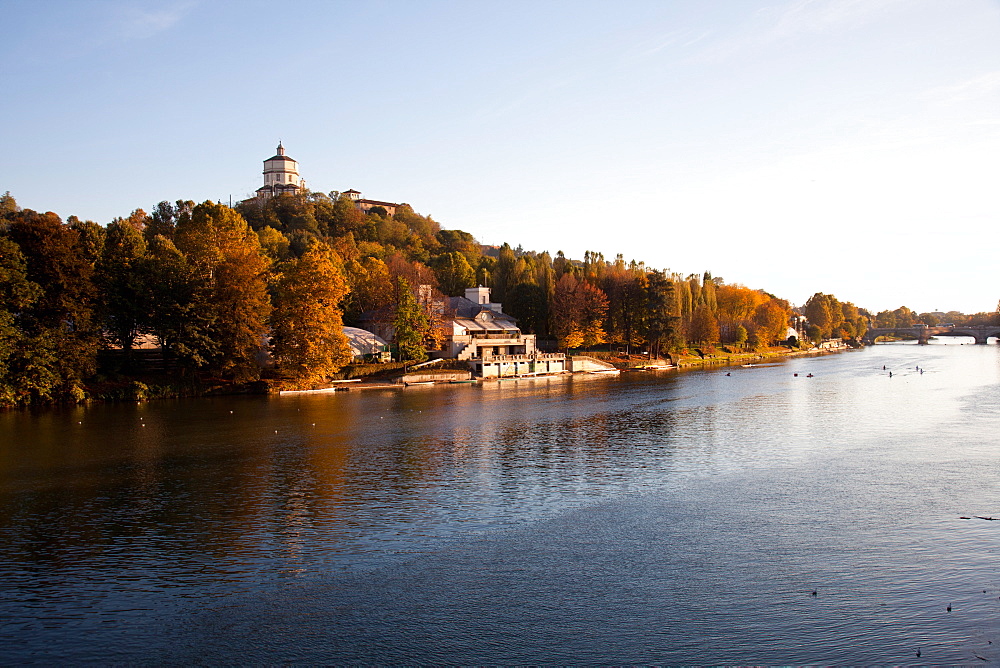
[[281, 176], [366, 205], [492, 343]]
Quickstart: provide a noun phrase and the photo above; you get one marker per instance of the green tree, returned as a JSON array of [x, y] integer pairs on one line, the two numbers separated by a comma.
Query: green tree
[[17, 294], [461, 242], [8, 205], [454, 273], [663, 317], [529, 303], [122, 283], [741, 336], [178, 316], [410, 324], [59, 331]]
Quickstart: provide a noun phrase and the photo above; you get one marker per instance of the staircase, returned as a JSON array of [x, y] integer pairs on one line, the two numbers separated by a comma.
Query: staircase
[[468, 352]]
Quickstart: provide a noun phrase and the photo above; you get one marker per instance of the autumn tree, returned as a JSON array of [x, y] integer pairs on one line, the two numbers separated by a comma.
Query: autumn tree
[[372, 287], [308, 341], [819, 311], [704, 327], [770, 320], [232, 270], [565, 313], [578, 312]]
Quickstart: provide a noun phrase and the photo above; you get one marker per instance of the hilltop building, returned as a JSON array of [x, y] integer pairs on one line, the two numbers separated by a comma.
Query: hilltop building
[[281, 176], [366, 205]]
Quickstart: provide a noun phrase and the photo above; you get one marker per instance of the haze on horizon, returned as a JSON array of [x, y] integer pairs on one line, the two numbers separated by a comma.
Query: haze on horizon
[[842, 146]]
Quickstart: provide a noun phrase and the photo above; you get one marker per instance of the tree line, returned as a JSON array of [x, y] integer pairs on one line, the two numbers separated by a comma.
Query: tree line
[[269, 284]]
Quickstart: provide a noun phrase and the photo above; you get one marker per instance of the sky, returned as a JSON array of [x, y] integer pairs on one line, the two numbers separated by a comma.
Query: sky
[[850, 147]]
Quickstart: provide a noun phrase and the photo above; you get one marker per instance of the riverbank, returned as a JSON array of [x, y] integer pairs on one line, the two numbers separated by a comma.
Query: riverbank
[[397, 375], [724, 357]]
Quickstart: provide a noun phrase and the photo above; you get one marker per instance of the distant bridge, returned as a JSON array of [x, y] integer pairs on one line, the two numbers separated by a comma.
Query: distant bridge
[[923, 332]]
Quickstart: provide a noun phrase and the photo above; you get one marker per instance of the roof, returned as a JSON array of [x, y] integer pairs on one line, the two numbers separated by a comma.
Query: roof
[[466, 308], [376, 202], [352, 190], [279, 157], [492, 325], [362, 341]]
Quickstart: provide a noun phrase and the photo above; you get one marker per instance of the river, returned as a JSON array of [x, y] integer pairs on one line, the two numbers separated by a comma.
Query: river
[[760, 517]]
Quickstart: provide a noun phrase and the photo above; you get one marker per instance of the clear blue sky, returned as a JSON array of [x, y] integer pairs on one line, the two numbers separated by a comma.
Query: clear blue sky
[[843, 146]]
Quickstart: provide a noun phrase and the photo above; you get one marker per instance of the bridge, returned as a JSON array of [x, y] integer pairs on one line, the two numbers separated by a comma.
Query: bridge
[[923, 332]]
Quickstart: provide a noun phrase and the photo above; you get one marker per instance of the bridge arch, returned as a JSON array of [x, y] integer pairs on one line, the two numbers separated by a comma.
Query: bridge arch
[[924, 332]]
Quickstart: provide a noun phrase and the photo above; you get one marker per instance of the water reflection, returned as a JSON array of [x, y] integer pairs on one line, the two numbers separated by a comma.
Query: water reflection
[[615, 492]]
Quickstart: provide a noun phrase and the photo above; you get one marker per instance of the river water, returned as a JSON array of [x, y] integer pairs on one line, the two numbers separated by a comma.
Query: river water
[[753, 518]]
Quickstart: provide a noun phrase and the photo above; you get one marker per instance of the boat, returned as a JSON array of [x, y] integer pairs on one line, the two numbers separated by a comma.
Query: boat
[[461, 381], [418, 382], [611, 372]]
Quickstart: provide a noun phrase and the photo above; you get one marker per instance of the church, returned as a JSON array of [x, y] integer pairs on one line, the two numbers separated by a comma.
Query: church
[[281, 177]]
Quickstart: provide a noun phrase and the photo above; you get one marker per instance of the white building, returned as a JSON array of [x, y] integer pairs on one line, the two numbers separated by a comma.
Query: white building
[[281, 176], [490, 340]]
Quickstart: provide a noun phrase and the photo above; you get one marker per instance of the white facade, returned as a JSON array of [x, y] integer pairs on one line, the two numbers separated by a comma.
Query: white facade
[[281, 175]]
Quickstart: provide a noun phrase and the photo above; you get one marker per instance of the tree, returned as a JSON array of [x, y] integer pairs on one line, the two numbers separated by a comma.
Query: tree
[[371, 287], [704, 326], [818, 312], [410, 324], [58, 327], [17, 293], [502, 278], [565, 313], [461, 242], [593, 310], [8, 205], [770, 321], [663, 320], [274, 243], [626, 289], [741, 336], [578, 311], [177, 316], [454, 273], [529, 303], [232, 272], [123, 283], [308, 339]]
